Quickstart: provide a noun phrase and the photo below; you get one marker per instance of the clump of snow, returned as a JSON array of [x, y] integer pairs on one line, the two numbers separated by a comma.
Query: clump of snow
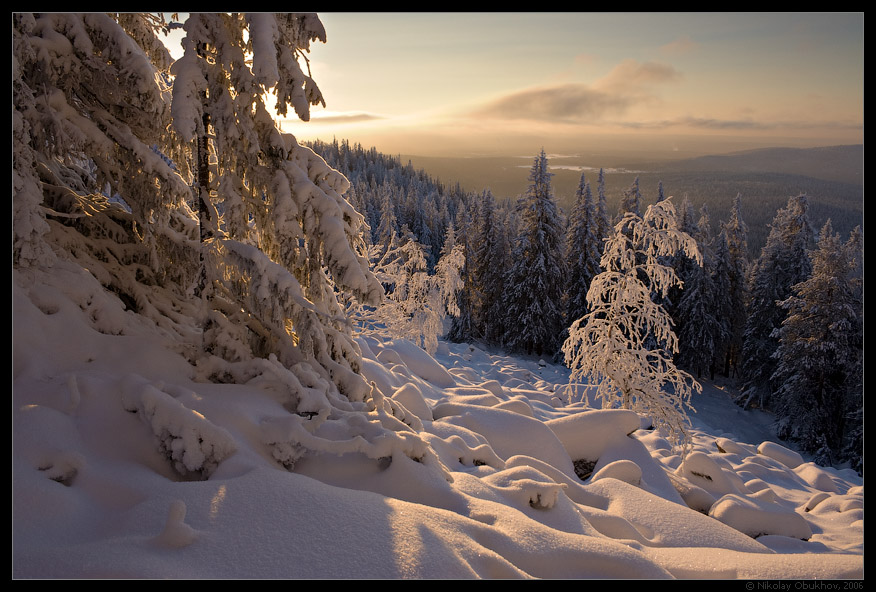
[[176, 532], [786, 456], [460, 464], [186, 437], [755, 517]]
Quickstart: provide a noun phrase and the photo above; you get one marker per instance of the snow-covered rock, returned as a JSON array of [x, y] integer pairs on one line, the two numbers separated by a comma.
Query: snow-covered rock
[[756, 517], [784, 455]]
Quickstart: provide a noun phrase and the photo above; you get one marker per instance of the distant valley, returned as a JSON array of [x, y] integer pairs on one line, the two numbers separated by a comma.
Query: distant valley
[[766, 178]]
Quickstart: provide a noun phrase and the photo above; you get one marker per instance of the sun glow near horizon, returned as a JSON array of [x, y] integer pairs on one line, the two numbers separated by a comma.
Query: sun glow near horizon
[[445, 83]]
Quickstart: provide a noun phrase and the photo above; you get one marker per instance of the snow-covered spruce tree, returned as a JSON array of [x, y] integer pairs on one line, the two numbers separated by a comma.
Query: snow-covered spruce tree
[[92, 119], [583, 251], [683, 265], [609, 345], [732, 263], [89, 110], [487, 271], [388, 226], [603, 220], [723, 311], [462, 327], [820, 350], [783, 263], [449, 273], [280, 239], [631, 202], [536, 278], [703, 329]]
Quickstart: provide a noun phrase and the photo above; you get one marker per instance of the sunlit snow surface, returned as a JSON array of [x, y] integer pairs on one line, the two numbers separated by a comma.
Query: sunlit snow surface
[[96, 416]]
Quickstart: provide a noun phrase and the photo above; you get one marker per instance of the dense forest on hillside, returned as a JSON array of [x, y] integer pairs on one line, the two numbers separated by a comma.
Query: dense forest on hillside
[[514, 300]]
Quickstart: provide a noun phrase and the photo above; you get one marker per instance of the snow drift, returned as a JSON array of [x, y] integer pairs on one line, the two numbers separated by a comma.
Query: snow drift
[[125, 467]]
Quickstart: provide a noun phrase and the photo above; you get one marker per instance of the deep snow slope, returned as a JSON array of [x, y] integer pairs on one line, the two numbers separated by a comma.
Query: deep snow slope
[[511, 476]]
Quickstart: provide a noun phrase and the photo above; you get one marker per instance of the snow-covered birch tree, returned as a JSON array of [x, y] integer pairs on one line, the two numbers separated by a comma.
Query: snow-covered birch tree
[[417, 303], [610, 344]]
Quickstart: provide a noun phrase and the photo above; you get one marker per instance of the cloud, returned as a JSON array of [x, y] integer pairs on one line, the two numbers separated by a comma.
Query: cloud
[[335, 118], [555, 103], [636, 78], [697, 123], [627, 84]]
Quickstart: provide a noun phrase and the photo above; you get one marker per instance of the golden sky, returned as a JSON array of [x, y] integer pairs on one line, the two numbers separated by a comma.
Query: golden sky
[[507, 83]]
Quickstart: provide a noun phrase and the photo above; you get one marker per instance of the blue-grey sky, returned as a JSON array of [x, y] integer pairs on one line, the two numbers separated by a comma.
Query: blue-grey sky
[[489, 83]]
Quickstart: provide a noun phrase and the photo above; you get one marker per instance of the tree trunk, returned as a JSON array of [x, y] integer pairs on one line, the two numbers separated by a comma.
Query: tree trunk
[[202, 190]]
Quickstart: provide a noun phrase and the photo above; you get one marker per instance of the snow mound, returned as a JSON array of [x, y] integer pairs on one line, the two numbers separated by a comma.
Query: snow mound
[[756, 517], [460, 464], [786, 456], [586, 435]]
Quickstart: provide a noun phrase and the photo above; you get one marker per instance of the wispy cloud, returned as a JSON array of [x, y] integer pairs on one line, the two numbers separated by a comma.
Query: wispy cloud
[[626, 85], [632, 77], [567, 102], [336, 118]]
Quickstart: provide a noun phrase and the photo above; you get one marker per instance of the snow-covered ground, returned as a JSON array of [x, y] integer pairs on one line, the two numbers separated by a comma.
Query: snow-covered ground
[[95, 496]]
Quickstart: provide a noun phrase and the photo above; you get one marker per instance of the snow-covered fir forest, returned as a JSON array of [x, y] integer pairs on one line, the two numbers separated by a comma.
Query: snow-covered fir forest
[[240, 356], [729, 318]]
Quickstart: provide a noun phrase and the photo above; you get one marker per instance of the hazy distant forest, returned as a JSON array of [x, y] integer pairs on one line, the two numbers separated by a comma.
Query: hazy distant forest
[[769, 240]]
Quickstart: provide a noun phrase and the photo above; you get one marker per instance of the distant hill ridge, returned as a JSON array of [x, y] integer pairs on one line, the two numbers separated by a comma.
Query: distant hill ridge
[[832, 163]]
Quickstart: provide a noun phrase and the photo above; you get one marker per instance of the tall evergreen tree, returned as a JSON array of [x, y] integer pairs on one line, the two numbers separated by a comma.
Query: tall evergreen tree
[[287, 241], [488, 270], [93, 173], [535, 280], [583, 251], [603, 219], [685, 267], [783, 263], [821, 350], [387, 227], [733, 262], [631, 201], [462, 326], [449, 274], [722, 305], [702, 328]]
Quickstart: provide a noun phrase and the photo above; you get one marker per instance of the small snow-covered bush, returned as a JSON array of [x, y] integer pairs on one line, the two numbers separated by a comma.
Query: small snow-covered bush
[[188, 439]]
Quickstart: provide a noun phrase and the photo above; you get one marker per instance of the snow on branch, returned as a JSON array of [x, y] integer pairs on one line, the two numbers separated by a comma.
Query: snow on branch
[[625, 343], [188, 439]]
